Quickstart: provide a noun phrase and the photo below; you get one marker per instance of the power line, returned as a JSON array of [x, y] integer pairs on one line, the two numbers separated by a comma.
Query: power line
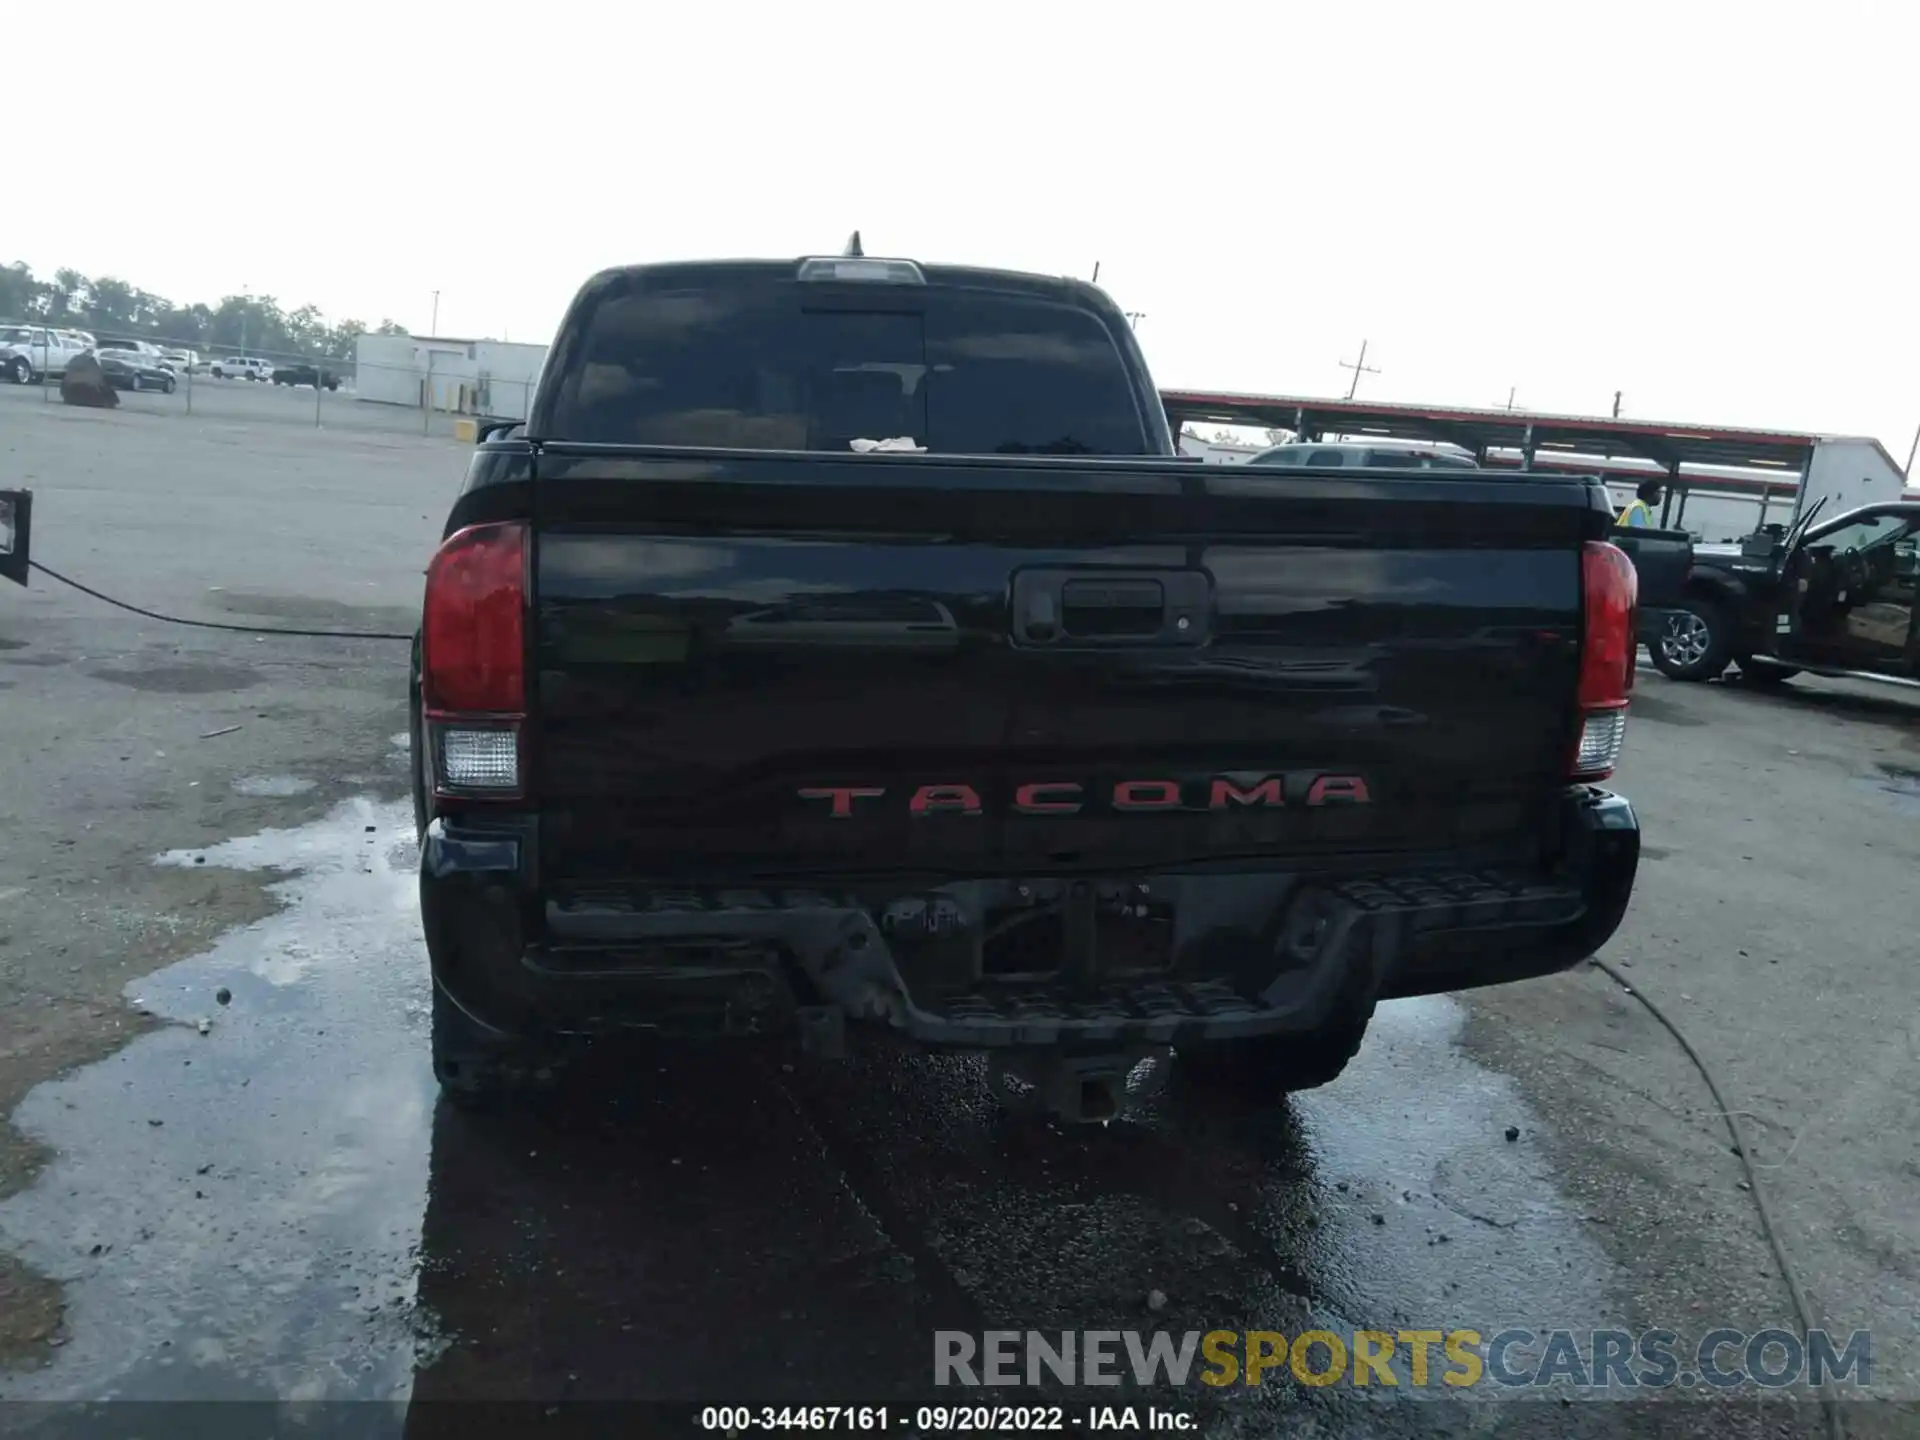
[[1358, 367]]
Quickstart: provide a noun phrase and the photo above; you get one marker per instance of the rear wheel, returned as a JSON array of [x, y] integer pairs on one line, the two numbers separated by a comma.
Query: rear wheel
[[167, 387], [1695, 641], [1270, 1066]]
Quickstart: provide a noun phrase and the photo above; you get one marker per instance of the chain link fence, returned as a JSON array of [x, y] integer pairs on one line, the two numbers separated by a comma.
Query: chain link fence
[[427, 392]]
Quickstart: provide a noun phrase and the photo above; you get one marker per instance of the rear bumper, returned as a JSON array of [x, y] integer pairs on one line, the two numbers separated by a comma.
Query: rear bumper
[[1233, 954]]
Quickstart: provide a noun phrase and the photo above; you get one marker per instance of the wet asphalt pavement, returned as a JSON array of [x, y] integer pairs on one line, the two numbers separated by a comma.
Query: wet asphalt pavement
[[279, 1208], [263, 1201]]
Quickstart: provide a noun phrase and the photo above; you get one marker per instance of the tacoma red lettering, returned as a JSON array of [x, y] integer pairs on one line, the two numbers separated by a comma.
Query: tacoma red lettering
[[1226, 793], [945, 799], [1146, 795], [1028, 798], [1338, 790], [842, 797]]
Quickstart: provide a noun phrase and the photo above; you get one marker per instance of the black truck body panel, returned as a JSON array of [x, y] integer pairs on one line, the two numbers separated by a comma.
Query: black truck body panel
[[694, 678], [1063, 750], [1663, 561]]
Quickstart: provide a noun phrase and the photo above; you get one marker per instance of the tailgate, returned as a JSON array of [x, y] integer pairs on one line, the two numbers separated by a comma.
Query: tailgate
[[779, 665]]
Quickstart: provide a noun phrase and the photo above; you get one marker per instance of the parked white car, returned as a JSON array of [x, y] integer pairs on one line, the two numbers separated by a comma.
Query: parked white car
[[145, 349], [184, 361], [242, 367], [38, 352]]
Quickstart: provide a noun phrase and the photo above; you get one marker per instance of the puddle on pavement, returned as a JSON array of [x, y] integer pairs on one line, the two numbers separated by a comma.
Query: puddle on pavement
[[238, 1213], [279, 1209], [1416, 1132], [1899, 782]]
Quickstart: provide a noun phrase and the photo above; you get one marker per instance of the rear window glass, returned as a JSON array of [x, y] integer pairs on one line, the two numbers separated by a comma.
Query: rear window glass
[[788, 367]]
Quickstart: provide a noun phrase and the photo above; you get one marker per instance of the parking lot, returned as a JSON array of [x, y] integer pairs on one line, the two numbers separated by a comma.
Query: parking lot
[[276, 1206], [202, 400]]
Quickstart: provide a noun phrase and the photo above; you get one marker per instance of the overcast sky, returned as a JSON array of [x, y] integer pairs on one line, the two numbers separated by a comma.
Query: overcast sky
[[1708, 206]]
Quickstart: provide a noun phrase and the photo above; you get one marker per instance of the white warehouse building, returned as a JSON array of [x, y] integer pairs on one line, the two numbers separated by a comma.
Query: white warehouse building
[[493, 378]]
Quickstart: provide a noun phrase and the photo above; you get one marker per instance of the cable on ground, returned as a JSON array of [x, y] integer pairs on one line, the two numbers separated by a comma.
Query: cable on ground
[[1829, 1401], [217, 624]]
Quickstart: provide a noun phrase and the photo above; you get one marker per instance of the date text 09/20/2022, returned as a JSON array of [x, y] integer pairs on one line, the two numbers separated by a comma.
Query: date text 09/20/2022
[[940, 1419]]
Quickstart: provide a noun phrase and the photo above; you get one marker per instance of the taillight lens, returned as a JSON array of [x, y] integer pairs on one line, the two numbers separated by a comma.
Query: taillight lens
[[1609, 598], [473, 661]]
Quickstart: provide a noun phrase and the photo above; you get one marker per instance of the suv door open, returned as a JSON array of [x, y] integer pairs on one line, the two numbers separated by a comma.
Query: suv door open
[[1849, 593]]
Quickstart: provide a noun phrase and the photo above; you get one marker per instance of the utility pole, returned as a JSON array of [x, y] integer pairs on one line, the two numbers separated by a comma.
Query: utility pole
[[1096, 272], [1911, 450], [1616, 404], [1134, 317], [1512, 390], [434, 328], [1358, 367]]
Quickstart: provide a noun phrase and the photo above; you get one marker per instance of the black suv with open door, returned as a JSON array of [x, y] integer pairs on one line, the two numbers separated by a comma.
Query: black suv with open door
[[1830, 597], [840, 645]]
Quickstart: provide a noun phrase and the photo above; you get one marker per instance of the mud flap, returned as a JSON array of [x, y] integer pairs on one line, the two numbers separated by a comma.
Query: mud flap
[[16, 531]]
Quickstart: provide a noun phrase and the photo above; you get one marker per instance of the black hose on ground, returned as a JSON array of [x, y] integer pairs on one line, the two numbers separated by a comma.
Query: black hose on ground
[[1836, 1426], [217, 624]]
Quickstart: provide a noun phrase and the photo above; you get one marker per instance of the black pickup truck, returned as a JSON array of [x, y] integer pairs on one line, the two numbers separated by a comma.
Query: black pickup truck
[[840, 647]]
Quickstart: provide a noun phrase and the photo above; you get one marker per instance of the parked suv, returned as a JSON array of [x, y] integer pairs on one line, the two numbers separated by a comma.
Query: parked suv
[[149, 353], [242, 367]]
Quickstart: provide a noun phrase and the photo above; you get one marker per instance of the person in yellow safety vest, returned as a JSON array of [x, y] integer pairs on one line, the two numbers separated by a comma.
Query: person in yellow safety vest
[[1639, 512]]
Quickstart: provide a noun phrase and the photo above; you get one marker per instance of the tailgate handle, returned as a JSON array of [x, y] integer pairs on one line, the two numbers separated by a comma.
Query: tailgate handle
[[1100, 607]]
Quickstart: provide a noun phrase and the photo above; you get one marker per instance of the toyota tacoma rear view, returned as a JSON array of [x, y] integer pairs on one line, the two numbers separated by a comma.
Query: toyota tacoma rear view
[[840, 647]]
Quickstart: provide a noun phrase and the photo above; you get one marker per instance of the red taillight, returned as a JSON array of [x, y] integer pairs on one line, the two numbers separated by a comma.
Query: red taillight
[[1609, 596], [473, 658], [473, 662]]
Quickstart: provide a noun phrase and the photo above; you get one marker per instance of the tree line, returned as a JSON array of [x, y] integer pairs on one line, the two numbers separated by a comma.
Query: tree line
[[113, 308]]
